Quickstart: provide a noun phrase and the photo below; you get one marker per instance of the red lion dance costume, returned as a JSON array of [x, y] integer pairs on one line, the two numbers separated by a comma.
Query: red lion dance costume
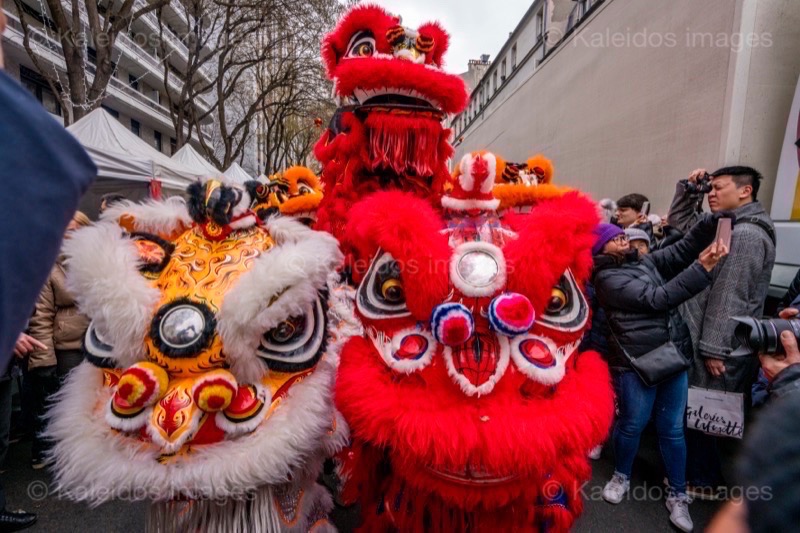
[[469, 406]]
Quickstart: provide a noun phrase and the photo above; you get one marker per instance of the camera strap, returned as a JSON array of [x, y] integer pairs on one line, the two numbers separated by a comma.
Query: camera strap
[[761, 224]]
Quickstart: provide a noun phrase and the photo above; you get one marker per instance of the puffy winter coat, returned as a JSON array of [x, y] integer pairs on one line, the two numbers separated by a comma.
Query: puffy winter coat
[[56, 322], [640, 295]]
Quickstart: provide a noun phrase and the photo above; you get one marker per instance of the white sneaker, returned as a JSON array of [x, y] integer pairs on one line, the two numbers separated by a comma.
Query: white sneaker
[[615, 489], [678, 507], [596, 452]]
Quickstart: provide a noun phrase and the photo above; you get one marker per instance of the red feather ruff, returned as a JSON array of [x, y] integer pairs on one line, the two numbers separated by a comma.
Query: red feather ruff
[[381, 221], [447, 90], [431, 429]]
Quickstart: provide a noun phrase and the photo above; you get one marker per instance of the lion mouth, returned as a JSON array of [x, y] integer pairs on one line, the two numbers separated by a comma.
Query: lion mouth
[[470, 475], [392, 98]]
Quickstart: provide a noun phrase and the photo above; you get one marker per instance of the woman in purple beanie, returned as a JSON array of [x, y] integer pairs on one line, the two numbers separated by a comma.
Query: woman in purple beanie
[[640, 296]]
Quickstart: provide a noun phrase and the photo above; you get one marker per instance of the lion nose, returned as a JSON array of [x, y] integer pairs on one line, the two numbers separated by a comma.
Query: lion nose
[[409, 52], [452, 324]]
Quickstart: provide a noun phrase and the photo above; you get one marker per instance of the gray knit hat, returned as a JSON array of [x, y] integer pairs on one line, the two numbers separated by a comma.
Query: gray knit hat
[[636, 234]]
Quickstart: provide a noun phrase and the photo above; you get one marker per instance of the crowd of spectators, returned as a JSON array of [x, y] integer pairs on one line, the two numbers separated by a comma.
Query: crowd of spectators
[[660, 282]]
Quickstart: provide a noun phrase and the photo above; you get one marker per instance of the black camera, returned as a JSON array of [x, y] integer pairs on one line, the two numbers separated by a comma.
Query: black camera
[[701, 186], [764, 336]]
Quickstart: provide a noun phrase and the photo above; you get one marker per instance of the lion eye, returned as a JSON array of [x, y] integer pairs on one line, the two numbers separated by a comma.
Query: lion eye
[[392, 291], [558, 301], [296, 343], [362, 45], [566, 309], [363, 50]]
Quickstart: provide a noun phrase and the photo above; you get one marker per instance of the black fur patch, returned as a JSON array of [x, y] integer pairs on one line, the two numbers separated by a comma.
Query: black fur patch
[[168, 247], [197, 202], [220, 205]]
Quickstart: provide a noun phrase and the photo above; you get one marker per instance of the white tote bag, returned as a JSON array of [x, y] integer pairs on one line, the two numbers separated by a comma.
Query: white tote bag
[[714, 412]]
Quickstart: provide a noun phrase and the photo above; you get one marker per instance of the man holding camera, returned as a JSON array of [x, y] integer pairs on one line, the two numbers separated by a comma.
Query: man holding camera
[[738, 288], [768, 466]]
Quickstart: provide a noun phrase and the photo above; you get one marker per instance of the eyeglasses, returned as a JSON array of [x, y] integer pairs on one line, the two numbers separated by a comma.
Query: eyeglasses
[[620, 239]]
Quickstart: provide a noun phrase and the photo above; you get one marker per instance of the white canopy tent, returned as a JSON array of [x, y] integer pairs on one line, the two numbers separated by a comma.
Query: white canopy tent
[[125, 163], [189, 157], [237, 174]]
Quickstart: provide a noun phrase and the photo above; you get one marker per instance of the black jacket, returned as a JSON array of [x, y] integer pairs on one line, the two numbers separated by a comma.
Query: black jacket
[[44, 173], [792, 296], [786, 382], [640, 296], [596, 337]]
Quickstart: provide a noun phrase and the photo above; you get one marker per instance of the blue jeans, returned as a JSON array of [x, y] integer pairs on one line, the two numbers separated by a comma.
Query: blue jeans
[[637, 402]]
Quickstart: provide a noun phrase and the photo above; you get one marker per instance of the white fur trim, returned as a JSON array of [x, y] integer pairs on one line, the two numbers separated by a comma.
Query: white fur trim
[[486, 387], [342, 321], [245, 222], [466, 180], [545, 376], [292, 274], [131, 424], [244, 203], [458, 204], [468, 289], [103, 275], [152, 216], [387, 347], [285, 229], [488, 182], [95, 463]]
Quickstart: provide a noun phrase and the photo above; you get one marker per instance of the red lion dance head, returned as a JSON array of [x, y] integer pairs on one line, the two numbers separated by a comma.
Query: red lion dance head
[[393, 95], [470, 405]]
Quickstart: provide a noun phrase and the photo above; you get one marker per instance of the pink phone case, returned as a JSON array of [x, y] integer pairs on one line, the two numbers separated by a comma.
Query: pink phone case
[[724, 231]]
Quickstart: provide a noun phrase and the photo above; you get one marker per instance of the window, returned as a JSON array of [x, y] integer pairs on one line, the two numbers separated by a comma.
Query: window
[[494, 81], [136, 127], [113, 112], [28, 10], [503, 71], [539, 24], [133, 82], [514, 56], [173, 145], [39, 88], [157, 141], [91, 55]]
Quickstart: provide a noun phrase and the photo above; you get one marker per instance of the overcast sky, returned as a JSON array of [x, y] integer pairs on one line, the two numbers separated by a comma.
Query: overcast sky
[[476, 26]]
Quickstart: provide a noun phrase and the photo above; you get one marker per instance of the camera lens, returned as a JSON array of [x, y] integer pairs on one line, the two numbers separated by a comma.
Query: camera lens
[[764, 336]]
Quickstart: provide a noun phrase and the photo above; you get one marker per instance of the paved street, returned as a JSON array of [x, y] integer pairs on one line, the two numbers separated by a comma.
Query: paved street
[[58, 515]]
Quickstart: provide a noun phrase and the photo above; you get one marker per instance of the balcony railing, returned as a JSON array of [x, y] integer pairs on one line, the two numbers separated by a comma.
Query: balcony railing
[[172, 38]]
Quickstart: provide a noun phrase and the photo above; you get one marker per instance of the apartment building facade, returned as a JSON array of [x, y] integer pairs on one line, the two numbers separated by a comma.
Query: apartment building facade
[[630, 95], [136, 94]]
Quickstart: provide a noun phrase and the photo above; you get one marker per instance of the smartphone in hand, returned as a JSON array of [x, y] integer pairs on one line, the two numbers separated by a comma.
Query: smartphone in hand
[[724, 231]]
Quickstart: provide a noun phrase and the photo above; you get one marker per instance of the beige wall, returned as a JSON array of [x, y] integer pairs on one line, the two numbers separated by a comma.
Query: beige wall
[[771, 84], [619, 117]]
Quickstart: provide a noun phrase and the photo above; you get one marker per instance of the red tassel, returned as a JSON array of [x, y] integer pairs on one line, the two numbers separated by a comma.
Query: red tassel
[[405, 144]]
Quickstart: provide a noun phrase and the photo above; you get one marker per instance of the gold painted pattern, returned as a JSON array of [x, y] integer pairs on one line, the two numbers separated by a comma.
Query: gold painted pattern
[[204, 271]]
